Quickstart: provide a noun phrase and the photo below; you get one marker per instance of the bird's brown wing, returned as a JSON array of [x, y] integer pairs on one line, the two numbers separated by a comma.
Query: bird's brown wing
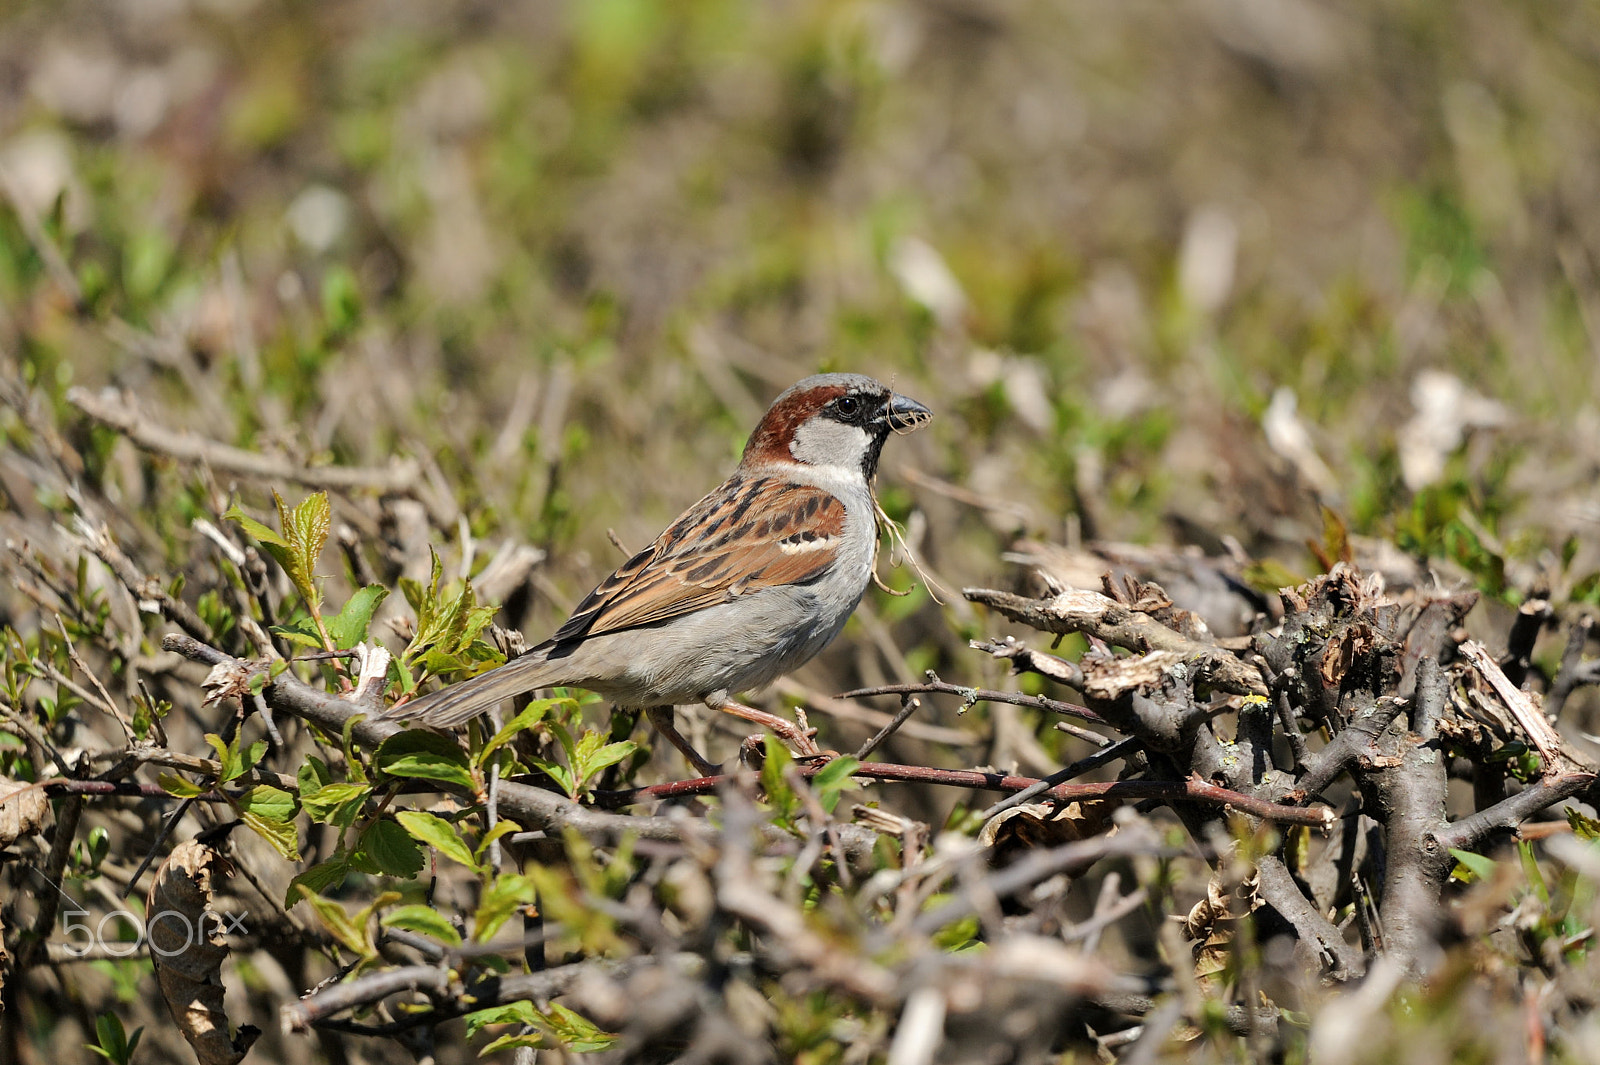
[[751, 533]]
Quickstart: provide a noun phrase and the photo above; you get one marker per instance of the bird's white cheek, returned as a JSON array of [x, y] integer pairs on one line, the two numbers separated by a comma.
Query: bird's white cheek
[[824, 442]]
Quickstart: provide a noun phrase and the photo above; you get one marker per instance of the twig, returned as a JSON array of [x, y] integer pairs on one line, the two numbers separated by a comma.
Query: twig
[[1099, 758], [908, 706], [1532, 616], [299, 1016], [49, 901], [1365, 726], [1573, 671], [1025, 659], [1109, 908], [145, 589], [1191, 790], [401, 477], [837, 707], [454, 999], [105, 701], [1509, 813], [1041, 865], [979, 695]]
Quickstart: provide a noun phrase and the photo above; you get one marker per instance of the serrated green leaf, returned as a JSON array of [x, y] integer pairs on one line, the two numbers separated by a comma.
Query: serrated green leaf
[[320, 878], [258, 532], [437, 833], [391, 849], [306, 530], [424, 920], [608, 755], [266, 801], [420, 753], [312, 776], [281, 834], [339, 923], [502, 898], [349, 627], [249, 758], [298, 637], [324, 804]]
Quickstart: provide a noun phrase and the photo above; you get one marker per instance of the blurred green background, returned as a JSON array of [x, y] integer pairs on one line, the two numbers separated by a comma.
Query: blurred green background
[[1168, 273]]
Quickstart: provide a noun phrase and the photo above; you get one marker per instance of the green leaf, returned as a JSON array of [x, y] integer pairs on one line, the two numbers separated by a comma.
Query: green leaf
[[306, 530], [832, 779], [501, 828], [558, 773], [258, 532], [175, 785], [780, 796], [502, 898], [339, 923], [576, 1032], [326, 803], [591, 757], [349, 626], [266, 801], [227, 757], [114, 1044], [320, 878], [532, 1040], [424, 920], [437, 833], [281, 834], [420, 753], [531, 716], [1471, 866], [1585, 828], [353, 766], [312, 775], [391, 849], [1530, 869], [508, 1013]]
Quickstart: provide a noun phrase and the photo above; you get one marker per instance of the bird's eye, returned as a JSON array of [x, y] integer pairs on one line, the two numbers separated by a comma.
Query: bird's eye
[[847, 406]]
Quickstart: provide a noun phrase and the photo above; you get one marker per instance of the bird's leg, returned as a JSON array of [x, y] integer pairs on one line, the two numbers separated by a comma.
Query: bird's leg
[[661, 718], [797, 737]]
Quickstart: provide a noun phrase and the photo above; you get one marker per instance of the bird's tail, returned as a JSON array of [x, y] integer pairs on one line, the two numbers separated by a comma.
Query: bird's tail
[[468, 698]]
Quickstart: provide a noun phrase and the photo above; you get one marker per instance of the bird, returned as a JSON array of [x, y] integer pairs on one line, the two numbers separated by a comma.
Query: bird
[[746, 585]]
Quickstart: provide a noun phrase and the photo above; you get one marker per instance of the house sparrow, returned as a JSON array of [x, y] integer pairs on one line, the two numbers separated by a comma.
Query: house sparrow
[[748, 584]]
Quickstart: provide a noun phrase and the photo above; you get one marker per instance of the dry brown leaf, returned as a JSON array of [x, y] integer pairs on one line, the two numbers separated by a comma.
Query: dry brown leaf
[[1036, 825], [227, 679], [187, 947], [22, 810]]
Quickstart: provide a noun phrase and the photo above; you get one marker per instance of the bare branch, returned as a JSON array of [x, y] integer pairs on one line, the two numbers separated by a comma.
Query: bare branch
[[1080, 610]]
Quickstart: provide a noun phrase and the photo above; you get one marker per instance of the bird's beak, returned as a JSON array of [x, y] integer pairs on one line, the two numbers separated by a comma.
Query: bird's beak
[[905, 414]]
